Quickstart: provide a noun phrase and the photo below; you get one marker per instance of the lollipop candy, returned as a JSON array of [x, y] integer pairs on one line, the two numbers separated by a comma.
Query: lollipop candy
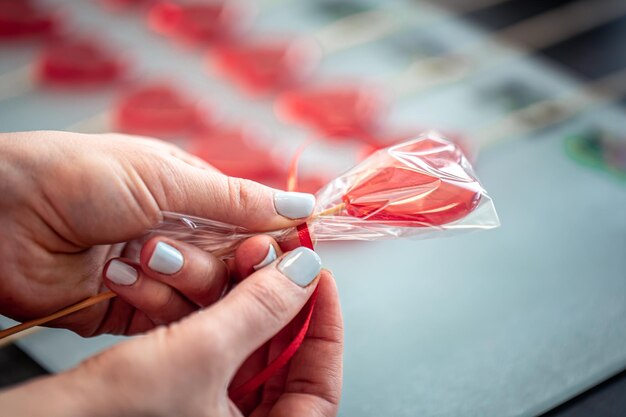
[[199, 22], [264, 66], [232, 150], [410, 193], [24, 19], [335, 111], [77, 63], [422, 187], [157, 110]]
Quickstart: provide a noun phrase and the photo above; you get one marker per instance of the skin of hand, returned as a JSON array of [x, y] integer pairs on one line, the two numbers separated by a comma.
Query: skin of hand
[[71, 202], [184, 369]]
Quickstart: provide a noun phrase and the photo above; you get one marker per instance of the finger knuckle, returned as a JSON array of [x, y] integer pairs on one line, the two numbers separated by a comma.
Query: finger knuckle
[[241, 193], [162, 306]]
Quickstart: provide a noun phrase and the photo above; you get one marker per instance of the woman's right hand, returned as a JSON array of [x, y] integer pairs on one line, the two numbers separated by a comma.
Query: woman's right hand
[[186, 368]]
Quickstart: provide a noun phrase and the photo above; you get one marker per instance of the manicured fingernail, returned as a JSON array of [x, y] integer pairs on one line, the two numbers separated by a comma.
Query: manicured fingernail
[[165, 259], [121, 273], [269, 258], [294, 205], [301, 265]]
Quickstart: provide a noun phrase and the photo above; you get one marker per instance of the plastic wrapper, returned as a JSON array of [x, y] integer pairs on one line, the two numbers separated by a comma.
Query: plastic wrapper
[[420, 188]]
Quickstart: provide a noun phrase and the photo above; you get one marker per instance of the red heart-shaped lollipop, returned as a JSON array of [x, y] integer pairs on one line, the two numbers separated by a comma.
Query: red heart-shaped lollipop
[[24, 19], [199, 22], [78, 63], [425, 182], [157, 110], [265, 66], [234, 151], [336, 111]]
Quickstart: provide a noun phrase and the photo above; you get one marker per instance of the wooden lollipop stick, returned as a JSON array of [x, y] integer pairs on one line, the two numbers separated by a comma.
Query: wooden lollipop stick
[[9, 340], [330, 211], [88, 302]]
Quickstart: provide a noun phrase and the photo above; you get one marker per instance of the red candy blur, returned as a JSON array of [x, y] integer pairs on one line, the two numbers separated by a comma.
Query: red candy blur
[[403, 186], [339, 111], [157, 110], [233, 151], [21, 19], [266, 66], [78, 63], [198, 22]]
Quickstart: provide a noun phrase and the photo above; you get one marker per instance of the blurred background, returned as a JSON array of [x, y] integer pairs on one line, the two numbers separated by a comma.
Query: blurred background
[[520, 321]]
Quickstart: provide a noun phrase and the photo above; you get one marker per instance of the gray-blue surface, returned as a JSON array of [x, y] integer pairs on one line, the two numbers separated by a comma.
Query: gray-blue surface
[[500, 323]]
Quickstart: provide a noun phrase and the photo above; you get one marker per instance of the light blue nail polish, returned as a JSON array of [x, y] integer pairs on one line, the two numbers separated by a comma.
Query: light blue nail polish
[[165, 259], [294, 205], [301, 266]]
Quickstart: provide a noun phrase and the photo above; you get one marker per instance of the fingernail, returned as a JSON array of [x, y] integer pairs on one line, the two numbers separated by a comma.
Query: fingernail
[[294, 205], [165, 259], [301, 265], [269, 258], [121, 273]]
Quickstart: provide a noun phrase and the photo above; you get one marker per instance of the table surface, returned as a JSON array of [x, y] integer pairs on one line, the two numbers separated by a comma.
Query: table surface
[[525, 317]]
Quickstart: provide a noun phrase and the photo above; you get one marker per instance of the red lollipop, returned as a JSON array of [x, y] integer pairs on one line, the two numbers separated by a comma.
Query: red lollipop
[[20, 19], [78, 63], [265, 66], [199, 22], [336, 111], [157, 110], [421, 183], [234, 151]]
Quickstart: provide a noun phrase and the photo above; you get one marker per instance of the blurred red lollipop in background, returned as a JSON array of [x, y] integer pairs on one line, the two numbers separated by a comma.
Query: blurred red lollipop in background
[[335, 111], [158, 110], [79, 63], [200, 22], [261, 67], [24, 19], [235, 152]]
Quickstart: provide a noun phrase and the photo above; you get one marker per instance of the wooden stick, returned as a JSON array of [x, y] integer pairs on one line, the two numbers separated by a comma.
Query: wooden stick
[[88, 302], [330, 211], [21, 335]]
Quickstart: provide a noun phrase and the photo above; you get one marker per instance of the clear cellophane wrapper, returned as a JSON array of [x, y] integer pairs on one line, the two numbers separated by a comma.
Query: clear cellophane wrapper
[[421, 188]]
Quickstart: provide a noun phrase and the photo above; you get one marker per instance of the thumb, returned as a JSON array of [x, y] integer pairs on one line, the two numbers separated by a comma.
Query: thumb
[[259, 307], [204, 193]]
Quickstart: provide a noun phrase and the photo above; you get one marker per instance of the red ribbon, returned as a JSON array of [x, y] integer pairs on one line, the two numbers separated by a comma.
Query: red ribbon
[[281, 360], [304, 236]]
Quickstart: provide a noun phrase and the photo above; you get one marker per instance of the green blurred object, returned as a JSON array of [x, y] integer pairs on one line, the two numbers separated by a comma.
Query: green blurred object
[[600, 150]]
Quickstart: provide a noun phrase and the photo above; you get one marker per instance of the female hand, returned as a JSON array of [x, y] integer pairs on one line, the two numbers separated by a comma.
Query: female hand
[[185, 369], [70, 202]]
